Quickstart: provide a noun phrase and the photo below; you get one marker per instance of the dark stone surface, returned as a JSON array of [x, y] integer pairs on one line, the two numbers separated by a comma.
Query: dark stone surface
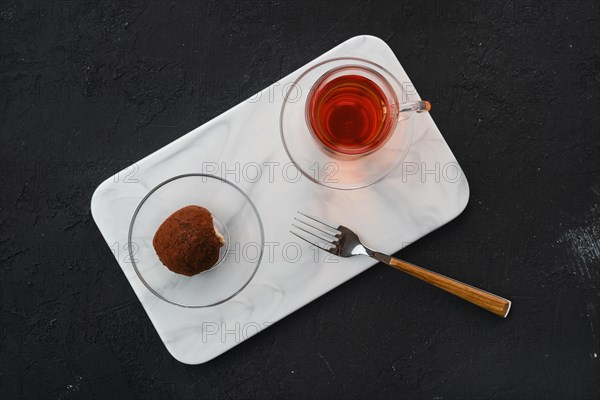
[[89, 87]]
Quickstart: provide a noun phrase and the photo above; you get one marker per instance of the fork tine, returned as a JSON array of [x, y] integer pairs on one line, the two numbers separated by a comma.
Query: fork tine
[[328, 241], [333, 237], [319, 221], [311, 243]]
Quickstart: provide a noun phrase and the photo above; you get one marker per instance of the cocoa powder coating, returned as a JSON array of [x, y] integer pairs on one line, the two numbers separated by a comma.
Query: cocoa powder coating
[[186, 242]]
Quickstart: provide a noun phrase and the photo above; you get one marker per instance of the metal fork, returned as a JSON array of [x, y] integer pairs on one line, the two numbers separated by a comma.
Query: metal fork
[[343, 242]]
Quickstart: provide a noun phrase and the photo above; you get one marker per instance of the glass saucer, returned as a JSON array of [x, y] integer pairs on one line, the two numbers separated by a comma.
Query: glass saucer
[[337, 170], [234, 215]]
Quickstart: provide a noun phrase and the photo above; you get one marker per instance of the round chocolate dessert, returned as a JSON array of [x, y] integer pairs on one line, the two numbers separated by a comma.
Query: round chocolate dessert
[[187, 242]]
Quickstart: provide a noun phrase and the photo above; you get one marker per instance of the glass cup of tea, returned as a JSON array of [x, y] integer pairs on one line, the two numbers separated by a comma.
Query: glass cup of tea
[[345, 123]]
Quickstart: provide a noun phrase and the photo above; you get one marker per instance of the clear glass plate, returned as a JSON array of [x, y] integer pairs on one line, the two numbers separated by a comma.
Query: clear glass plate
[[234, 215]]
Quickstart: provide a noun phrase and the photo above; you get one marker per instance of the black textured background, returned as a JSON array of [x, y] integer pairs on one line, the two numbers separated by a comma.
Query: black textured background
[[88, 88]]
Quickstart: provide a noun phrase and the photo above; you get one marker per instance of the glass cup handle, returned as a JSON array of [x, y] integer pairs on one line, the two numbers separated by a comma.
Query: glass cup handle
[[415, 106]]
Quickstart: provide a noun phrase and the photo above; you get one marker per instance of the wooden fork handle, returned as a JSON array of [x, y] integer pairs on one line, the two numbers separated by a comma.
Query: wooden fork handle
[[488, 301]]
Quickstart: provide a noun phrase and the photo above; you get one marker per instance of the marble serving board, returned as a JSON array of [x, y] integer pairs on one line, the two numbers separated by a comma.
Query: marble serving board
[[425, 192]]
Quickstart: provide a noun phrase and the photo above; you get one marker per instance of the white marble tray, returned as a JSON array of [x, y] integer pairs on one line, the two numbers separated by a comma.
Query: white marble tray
[[426, 192]]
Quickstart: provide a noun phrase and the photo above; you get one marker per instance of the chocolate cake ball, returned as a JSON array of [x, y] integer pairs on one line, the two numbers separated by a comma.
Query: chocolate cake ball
[[187, 242]]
